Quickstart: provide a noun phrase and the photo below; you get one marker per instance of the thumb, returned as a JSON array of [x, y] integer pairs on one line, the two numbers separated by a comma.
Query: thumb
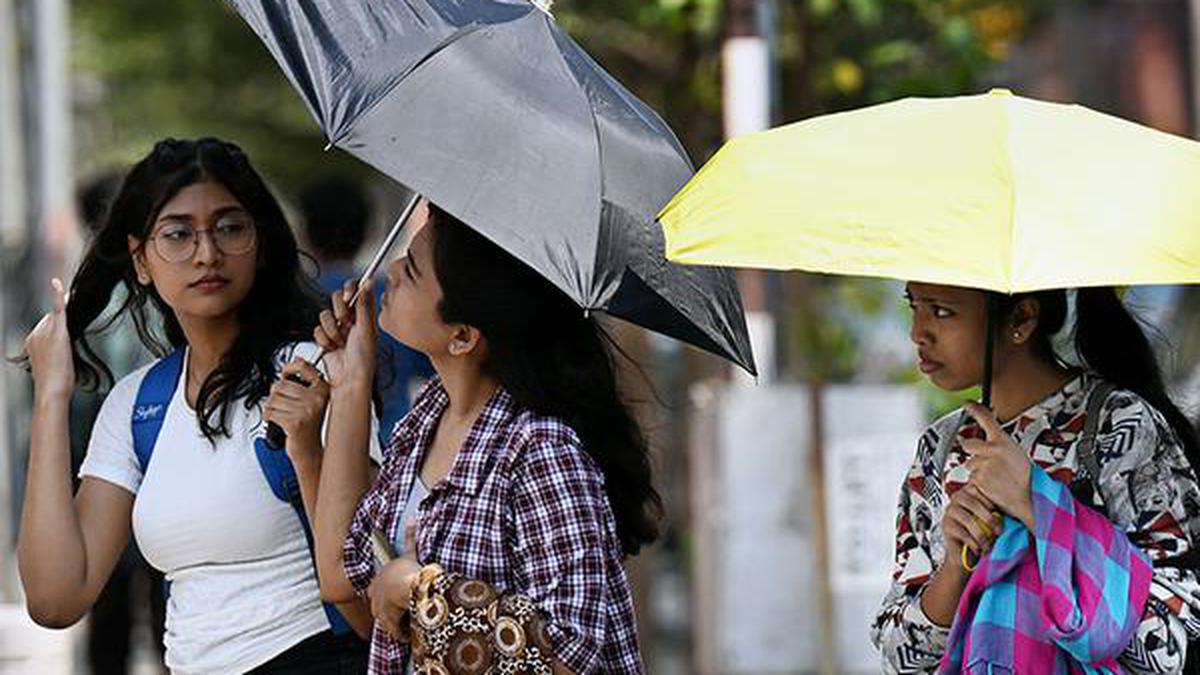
[[60, 295]]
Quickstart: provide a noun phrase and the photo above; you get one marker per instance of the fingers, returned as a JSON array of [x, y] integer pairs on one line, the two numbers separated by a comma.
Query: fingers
[[332, 331], [986, 420], [975, 447], [329, 342], [305, 371], [981, 509], [964, 527], [410, 536], [341, 310], [385, 613], [60, 295]]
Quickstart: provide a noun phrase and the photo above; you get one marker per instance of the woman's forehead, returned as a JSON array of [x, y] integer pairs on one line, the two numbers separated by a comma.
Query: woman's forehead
[[923, 292]]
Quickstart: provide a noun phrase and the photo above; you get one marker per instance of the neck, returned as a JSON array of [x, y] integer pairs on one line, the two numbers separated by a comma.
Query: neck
[[1022, 380], [208, 342], [468, 387]]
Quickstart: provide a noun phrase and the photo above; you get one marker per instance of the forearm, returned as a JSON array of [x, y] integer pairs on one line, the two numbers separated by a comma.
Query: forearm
[[308, 474], [50, 546], [343, 481], [939, 601]]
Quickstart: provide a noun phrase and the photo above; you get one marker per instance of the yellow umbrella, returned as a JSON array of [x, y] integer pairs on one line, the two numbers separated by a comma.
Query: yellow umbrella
[[994, 191]]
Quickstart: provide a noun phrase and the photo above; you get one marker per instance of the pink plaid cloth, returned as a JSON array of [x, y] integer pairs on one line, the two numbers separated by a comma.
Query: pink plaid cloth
[[1066, 600]]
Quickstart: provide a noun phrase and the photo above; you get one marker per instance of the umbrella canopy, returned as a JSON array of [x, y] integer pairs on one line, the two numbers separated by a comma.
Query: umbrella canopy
[[994, 192], [491, 111]]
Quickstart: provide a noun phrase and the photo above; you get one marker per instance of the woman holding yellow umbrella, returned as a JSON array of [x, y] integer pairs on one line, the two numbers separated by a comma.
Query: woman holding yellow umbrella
[[1053, 532], [970, 467]]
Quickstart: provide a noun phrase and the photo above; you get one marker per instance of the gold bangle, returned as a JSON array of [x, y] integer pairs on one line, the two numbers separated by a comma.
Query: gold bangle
[[966, 560]]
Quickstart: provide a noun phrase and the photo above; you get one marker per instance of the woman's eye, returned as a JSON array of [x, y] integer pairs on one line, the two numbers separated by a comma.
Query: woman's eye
[[232, 226], [942, 312], [177, 233]]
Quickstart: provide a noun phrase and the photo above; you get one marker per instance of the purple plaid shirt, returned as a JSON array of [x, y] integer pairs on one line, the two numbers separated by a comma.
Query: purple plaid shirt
[[523, 509]]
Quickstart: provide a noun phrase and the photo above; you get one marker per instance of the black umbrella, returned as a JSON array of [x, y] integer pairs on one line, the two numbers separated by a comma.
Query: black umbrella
[[491, 111]]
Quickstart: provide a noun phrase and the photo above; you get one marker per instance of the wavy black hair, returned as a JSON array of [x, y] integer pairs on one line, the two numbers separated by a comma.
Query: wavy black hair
[[281, 307], [553, 360], [1109, 341]]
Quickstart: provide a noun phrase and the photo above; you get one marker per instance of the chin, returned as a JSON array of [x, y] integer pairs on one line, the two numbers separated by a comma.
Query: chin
[[949, 382]]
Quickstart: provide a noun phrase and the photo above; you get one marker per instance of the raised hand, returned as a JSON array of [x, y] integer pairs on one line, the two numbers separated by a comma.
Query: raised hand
[[49, 349], [349, 337], [299, 409], [970, 522], [1000, 468]]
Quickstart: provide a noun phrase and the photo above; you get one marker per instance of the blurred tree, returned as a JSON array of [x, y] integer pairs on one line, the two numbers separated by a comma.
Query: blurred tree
[[147, 69]]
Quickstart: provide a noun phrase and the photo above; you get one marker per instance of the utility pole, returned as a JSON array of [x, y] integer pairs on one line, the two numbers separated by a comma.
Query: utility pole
[[54, 186], [747, 90], [12, 231], [746, 105]]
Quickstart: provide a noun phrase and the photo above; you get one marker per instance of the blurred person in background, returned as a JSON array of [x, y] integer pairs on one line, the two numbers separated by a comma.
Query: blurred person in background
[[336, 215]]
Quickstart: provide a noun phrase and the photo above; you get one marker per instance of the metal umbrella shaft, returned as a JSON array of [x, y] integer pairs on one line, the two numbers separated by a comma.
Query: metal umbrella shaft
[[276, 436]]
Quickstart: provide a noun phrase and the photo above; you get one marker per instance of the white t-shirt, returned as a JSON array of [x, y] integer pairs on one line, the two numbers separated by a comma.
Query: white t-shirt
[[243, 585]]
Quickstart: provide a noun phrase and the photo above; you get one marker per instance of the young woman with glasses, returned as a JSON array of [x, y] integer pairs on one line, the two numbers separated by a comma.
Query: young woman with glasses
[[211, 273]]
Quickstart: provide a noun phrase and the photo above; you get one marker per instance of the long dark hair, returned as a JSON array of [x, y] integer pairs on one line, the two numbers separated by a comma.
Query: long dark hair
[[553, 360], [1109, 341], [281, 307]]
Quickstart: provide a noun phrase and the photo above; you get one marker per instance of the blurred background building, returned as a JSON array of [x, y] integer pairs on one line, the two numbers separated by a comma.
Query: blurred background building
[[779, 492]]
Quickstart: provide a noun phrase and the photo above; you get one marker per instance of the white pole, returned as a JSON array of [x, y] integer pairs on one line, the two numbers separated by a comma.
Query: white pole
[[12, 236], [746, 106], [55, 180]]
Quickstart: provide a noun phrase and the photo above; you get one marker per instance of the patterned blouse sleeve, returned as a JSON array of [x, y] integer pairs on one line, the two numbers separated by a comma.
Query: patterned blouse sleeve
[[560, 518], [909, 641], [1148, 489]]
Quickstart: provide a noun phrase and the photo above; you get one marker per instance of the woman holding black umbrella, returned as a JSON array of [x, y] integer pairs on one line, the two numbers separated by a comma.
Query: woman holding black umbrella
[[528, 476]]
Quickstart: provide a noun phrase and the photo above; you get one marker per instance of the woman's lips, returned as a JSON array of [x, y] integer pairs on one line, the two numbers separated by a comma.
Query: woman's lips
[[926, 366], [211, 285]]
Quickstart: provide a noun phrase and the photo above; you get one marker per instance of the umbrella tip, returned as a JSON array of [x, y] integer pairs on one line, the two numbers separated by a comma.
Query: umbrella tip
[[328, 146], [543, 5]]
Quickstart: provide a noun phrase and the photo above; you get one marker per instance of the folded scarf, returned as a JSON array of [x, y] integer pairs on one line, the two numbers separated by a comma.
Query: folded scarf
[[1066, 600]]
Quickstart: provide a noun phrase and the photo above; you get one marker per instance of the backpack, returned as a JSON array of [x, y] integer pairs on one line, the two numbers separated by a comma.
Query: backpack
[[1084, 488], [150, 408]]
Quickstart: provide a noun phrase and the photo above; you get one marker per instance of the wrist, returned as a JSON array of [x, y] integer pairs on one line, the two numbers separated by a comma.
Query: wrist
[[305, 453], [44, 396]]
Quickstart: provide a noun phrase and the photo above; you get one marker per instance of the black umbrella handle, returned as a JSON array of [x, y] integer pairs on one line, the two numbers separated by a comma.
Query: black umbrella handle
[[276, 436]]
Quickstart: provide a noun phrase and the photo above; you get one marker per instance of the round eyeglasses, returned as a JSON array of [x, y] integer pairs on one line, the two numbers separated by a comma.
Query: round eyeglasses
[[178, 242]]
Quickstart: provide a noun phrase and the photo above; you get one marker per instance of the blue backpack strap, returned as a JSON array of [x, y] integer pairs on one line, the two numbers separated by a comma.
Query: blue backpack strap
[[281, 477], [150, 407], [154, 395]]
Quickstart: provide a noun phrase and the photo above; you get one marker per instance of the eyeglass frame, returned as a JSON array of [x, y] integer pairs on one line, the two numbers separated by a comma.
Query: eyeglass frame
[[196, 246]]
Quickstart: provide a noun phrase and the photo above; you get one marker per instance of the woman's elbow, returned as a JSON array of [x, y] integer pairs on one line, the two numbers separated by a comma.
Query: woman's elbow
[[48, 613]]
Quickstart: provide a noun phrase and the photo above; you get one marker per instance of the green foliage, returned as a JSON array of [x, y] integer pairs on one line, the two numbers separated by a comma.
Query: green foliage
[[184, 69]]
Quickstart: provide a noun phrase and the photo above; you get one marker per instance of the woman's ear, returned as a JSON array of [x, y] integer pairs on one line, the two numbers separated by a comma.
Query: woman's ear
[[464, 340], [1023, 321], [137, 252]]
